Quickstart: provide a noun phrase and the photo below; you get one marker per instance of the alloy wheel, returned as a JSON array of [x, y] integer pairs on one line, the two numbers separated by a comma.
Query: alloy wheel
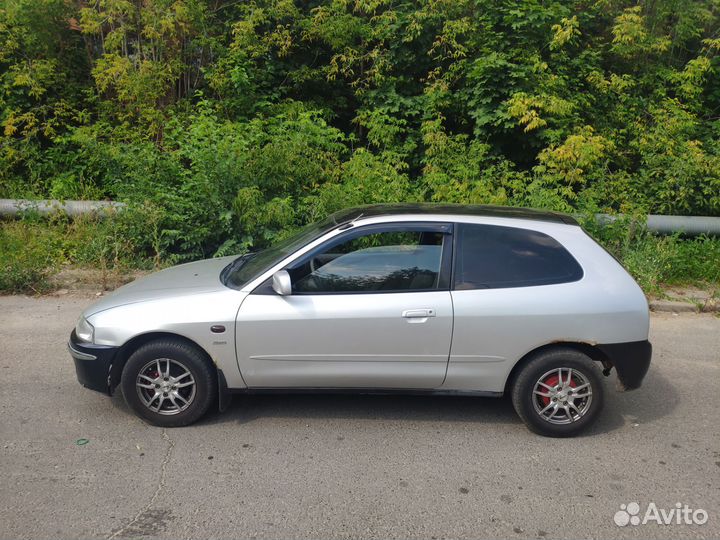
[[562, 396], [165, 386]]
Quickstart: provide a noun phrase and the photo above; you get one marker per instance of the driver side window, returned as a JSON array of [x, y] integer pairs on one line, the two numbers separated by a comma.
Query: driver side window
[[383, 261]]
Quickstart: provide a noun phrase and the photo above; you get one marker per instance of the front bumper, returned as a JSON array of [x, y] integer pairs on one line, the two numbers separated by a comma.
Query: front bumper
[[93, 364], [631, 361]]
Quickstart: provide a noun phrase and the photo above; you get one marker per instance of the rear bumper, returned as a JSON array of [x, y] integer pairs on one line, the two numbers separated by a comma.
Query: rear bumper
[[92, 364], [631, 361]]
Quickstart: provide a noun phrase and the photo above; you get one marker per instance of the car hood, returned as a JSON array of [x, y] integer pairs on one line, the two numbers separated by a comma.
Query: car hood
[[185, 279]]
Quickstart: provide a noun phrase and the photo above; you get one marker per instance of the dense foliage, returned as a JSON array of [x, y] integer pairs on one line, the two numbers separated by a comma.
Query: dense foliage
[[226, 124]]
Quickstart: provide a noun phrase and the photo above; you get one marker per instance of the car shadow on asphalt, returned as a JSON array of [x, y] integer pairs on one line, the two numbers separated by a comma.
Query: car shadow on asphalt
[[416, 408], [656, 399]]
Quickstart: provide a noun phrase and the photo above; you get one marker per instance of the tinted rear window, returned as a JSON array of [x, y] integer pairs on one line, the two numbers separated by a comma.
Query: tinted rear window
[[494, 257]]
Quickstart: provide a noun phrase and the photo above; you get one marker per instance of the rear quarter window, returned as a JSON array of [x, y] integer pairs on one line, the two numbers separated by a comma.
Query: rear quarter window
[[495, 257]]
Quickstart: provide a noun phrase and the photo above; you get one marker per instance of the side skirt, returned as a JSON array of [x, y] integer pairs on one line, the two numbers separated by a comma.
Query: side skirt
[[367, 391]]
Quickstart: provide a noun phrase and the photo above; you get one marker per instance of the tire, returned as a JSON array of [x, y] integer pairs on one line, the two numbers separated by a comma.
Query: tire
[[551, 407], [179, 399]]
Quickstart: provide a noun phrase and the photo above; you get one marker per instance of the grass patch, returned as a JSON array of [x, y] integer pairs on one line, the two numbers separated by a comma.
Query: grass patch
[[32, 250], [25, 261], [656, 261]]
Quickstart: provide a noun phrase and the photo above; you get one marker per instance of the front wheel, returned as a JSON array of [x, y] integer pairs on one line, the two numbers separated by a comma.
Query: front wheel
[[169, 383], [558, 393]]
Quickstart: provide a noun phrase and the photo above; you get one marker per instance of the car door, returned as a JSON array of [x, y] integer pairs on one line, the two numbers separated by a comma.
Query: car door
[[512, 288], [370, 308]]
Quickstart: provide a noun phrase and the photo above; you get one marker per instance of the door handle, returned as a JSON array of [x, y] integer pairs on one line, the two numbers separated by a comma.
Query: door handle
[[418, 313]]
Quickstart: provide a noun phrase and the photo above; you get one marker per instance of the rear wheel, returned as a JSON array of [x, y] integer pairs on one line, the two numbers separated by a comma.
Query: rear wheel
[[558, 393], [169, 383]]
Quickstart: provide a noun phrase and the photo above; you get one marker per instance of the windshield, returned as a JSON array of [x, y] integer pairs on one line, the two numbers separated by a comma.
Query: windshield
[[249, 266]]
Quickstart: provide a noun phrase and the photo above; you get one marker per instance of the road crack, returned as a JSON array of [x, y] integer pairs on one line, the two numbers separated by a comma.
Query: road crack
[[156, 494]]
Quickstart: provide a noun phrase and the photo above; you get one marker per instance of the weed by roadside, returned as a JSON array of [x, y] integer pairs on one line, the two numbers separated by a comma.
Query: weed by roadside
[[25, 261], [33, 250], [657, 261]]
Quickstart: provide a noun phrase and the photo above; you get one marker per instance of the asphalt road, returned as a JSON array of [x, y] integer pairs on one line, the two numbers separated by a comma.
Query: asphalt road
[[349, 466]]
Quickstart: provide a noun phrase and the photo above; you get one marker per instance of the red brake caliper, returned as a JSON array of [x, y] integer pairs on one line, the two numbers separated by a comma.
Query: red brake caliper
[[552, 380]]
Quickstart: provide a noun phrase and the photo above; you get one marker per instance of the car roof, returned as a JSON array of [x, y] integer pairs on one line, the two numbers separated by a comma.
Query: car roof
[[378, 210]]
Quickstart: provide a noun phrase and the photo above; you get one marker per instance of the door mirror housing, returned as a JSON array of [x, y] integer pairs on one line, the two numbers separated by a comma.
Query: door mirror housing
[[281, 283]]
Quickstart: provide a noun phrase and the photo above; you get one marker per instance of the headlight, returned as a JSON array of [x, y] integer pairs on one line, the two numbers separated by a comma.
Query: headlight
[[84, 331]]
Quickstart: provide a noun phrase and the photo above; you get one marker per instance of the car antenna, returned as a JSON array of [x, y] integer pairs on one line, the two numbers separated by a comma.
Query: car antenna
[[351, 222]]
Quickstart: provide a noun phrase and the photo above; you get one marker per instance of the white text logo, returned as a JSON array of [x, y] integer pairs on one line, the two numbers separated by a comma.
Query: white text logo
[[680, 514]]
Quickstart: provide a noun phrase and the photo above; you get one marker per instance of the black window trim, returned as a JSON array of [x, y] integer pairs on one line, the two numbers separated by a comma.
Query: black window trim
[[455, 250], [446, 261]]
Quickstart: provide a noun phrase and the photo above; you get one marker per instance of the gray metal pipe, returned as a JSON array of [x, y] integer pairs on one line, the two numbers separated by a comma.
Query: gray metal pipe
[[10, 208], [689, 225]]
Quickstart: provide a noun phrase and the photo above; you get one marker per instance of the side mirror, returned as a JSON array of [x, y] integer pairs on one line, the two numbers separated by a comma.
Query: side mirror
[[281, 283]]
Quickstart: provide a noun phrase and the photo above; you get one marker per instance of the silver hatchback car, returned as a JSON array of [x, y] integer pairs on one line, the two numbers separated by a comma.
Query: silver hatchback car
[[436, 299]]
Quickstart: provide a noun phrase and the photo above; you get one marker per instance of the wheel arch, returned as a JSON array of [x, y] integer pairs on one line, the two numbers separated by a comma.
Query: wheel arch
[[590, 350], [134, 343]]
